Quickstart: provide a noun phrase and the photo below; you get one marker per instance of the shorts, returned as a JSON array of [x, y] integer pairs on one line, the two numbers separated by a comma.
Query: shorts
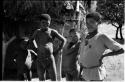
[[98, 73]]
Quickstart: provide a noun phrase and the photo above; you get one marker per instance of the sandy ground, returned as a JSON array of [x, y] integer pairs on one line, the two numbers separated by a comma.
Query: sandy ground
[[115, 64]]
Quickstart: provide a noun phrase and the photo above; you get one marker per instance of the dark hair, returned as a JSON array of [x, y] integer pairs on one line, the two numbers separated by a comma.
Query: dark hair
[[45, 17], [95, 15], [72, 30]]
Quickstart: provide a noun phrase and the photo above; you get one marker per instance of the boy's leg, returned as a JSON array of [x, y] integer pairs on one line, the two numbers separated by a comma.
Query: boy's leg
[[40, 71], [47, 75], [52, 69], [63, 74], [58, 60], [20, 72], [69, 77], [80, 74], [72, 75], [75, 75], [20, 69], [28, 73]]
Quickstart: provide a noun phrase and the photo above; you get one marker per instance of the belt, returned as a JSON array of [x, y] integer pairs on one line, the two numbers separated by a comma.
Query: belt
[[92, 67]]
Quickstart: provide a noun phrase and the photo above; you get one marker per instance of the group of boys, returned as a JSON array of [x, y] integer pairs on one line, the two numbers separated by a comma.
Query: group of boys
[[79, 57]]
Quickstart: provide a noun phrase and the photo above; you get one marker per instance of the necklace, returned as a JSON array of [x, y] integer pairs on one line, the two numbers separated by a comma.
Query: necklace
[[89, 36]]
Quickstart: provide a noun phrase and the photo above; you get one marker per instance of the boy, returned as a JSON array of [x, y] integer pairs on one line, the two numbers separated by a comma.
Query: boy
[[44, 37], [20, 59], [70, 57], [92, 49]]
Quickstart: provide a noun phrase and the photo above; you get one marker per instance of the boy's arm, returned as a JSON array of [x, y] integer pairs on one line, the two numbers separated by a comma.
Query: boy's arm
[[75, 48], [32, 52], [120, 51], [111, 44], [32, 38], [60, 37]]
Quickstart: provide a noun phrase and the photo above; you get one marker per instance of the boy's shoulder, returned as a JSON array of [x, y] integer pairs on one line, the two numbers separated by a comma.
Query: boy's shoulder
[[52, 30], [102, 36]]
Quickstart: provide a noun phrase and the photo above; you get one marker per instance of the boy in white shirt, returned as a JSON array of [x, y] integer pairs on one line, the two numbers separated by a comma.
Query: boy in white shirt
[[92, 49]]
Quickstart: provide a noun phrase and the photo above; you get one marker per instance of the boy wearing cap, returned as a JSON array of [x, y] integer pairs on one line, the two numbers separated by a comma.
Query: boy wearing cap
[[44, 37], [92, 49]]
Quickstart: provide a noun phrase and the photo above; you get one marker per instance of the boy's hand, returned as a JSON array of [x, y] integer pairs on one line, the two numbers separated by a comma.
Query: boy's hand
[[100, 60], [113, 53], [57, 51]]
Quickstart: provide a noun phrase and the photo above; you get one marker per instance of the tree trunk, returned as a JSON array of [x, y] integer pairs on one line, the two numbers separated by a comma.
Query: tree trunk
[[4, 48], [119, 29], [121, 32], [116, 36]]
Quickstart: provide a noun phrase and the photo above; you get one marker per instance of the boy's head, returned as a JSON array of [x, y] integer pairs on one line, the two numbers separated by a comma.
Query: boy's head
[[45, 20], [92, 21], [74, 35], [23, 44]]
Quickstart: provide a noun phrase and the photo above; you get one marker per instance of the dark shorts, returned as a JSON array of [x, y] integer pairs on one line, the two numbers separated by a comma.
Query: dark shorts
[[46, 64]]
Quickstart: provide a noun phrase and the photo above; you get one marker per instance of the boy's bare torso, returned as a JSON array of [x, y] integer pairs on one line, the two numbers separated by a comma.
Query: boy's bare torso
[[44, 42], [70, 58]]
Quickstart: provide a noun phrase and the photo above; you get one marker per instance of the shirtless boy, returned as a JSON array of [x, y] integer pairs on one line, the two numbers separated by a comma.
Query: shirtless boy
[[44, 37], [70, 57]]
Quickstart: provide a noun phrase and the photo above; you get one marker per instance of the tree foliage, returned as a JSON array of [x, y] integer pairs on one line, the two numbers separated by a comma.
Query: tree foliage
[[18, 12], [28, 9], [22, 9], [112, 11]]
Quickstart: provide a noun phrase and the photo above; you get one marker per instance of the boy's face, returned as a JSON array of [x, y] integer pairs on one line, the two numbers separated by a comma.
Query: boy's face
[[74, 37], [45, 23], [91, 24]]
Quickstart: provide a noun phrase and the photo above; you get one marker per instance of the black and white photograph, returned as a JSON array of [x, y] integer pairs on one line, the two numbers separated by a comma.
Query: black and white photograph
[[63, 40]]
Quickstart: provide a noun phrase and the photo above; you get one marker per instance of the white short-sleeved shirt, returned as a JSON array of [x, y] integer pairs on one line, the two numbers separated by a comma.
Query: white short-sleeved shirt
[[91, 53]]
